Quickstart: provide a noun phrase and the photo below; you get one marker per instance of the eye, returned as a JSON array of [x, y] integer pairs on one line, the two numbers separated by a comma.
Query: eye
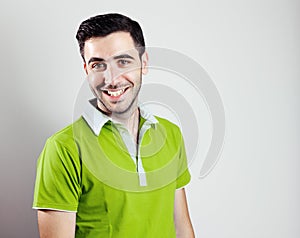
[[124, 62], [99, 66]]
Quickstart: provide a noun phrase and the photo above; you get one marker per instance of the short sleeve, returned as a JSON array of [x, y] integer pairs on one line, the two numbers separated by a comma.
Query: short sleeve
[[183, 173], [57, 185]]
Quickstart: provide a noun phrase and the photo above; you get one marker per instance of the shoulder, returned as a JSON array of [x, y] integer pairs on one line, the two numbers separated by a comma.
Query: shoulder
[[61, 152], [167, 124], [64, 139], [169, 127]]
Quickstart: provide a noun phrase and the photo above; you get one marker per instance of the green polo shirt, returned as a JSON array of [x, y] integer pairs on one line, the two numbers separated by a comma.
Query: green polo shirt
[[117, 188]]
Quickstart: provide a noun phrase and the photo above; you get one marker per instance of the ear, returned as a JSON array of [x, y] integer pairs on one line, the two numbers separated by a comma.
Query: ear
[[85, 69], [144, 61]]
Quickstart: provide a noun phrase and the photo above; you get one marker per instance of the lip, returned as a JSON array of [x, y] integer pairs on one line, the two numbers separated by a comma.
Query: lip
[[116, 93]]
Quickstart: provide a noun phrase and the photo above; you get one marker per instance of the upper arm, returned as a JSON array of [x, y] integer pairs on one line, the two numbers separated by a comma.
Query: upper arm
[[58, 179], [56, 224], [57, 190], [182, 220]]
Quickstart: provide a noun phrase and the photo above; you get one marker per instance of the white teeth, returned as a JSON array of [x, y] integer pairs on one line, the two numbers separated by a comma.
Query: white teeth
[[115, 93]]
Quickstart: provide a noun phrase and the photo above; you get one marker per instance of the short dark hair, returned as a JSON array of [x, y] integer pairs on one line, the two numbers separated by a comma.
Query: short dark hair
[[103, 25]]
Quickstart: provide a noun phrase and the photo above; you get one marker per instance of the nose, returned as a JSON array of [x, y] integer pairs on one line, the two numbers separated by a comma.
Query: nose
[[111, 76]]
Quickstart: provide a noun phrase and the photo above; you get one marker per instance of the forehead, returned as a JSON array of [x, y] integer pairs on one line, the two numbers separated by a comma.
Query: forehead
[[108, 46]]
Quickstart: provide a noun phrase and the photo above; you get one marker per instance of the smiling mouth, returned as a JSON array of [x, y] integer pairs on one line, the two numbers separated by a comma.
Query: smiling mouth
[[115, 92]]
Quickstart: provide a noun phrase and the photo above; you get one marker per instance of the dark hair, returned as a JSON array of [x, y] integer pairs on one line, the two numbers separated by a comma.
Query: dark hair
[[103, 25]]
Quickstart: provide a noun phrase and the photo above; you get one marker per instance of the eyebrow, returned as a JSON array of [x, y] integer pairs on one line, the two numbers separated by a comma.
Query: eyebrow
[[123, 56], [93, 59]]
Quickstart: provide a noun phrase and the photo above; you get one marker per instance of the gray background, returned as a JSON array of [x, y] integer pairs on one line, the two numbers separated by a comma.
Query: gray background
[[249, 48]]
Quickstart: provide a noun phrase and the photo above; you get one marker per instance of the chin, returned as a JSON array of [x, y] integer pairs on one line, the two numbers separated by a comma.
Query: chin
[[121, 110]]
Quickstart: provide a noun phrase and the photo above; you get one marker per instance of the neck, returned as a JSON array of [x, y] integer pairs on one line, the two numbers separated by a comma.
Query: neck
[[129, 119], [131, 123]]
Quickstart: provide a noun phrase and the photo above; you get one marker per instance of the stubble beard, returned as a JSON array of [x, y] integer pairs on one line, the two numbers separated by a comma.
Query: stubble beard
[[129, 109]]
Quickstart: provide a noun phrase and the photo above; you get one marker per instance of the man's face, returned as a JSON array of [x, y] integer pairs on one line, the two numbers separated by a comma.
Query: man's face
[[114, 70]]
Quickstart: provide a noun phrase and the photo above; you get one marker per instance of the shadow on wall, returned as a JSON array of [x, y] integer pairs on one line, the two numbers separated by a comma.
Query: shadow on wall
[[22, 139], [23, 133]]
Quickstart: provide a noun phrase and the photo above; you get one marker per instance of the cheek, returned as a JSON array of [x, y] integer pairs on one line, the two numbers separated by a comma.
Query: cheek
[[133, 76], [95, 79]]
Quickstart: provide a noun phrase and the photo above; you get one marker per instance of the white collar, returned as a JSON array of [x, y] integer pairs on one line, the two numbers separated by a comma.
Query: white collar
[[96, 119]]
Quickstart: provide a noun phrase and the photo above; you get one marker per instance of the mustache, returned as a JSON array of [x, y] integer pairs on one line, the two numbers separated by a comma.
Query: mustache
[[102, 87]]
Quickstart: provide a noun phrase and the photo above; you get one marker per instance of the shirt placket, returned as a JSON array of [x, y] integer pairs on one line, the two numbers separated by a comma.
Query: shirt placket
[[134, 150]]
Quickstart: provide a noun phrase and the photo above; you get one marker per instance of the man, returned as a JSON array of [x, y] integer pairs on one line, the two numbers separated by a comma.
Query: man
[[118, 171]]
